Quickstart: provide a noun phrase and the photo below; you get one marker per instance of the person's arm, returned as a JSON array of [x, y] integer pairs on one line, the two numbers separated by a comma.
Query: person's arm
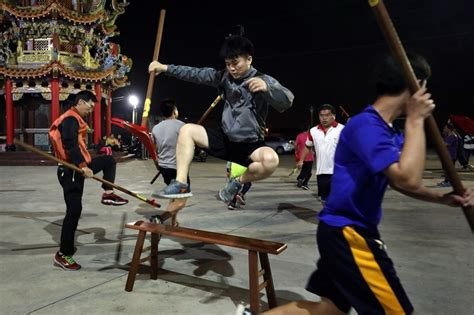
[[69, 134], [206, 76], [406, 174], [305, 152], [450, 199], [307, 148], [277, 96]]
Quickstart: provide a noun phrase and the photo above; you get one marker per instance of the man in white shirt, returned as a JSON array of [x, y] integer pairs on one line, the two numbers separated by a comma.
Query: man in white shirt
[[324, 137]]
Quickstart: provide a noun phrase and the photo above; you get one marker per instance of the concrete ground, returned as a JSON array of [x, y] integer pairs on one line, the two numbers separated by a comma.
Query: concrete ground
[[431, 245]]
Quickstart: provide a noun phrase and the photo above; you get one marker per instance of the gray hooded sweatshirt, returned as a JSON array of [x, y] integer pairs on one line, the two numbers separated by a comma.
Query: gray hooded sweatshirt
[[245, 113]]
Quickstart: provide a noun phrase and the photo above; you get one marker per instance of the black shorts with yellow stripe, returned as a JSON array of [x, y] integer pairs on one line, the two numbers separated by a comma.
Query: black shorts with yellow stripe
[[355, 271]]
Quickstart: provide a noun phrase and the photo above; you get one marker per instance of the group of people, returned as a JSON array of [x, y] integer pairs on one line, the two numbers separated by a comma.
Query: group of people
[[359, 159], [110, 144], [459, 148]]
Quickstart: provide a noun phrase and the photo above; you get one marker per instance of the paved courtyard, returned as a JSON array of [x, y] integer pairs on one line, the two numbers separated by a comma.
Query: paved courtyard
[[431, 245]]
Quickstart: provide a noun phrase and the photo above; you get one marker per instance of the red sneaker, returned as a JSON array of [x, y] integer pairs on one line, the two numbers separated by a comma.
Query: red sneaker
[[66, 262], [113, 200]]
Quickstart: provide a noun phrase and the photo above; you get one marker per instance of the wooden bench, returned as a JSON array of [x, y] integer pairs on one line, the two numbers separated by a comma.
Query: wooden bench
[[256, 249]]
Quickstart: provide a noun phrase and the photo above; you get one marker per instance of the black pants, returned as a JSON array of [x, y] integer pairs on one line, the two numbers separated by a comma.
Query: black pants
[[73, 187], [169, 174], [305, 173], [324, 185]]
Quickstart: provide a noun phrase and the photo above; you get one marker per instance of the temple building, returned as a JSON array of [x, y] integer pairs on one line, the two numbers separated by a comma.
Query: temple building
[[49, 51]]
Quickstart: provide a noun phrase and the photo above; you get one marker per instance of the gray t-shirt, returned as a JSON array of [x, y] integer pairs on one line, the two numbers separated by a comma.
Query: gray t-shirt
[[165, 134]]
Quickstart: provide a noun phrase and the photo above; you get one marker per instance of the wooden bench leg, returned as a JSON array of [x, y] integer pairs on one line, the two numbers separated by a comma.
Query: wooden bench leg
[[267, 277], [155, 238], [253, 282], [132, 272]]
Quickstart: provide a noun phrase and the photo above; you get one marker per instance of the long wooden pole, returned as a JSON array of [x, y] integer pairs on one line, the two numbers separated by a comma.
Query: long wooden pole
[[77, 169], [209, 110], [151, 78], [386, 25]]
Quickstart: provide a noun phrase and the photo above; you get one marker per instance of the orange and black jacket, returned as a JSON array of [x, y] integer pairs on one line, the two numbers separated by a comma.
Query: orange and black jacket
[[68, 136]]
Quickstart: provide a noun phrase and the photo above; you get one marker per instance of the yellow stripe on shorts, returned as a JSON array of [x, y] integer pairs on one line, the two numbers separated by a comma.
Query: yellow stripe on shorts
[[371, 272]]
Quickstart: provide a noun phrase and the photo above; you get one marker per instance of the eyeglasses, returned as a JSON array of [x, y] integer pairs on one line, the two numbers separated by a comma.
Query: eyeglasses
[[90, 104]]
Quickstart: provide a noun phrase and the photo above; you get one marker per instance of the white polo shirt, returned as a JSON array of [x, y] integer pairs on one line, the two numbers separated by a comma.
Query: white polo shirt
[[324, 142]]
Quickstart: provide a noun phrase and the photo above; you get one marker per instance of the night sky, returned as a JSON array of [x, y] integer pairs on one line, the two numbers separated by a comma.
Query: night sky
[[321, 50]]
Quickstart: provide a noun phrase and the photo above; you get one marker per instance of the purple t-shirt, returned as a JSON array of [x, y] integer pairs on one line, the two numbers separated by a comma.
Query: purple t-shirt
[[367, 146]]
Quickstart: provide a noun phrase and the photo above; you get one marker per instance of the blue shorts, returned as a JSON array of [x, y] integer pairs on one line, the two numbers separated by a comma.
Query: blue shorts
[[355, 271]]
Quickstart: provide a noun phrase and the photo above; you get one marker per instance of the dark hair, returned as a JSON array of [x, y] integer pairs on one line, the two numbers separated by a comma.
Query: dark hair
[[84, 95], [167, 107], [304, 127], [389, 73], [327, 106], [235, 46]]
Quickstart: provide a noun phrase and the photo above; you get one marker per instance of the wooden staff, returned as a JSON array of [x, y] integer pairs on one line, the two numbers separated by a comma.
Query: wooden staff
[[80, 171], [209, 110], [151, 78], [386, 25], [346, 114]]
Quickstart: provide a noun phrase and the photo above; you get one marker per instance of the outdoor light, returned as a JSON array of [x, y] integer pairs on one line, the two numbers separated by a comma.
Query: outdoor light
[[133, 100]]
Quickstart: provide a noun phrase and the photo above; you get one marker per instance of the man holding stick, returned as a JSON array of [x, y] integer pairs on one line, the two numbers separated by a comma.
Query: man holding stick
[[354, 269], [247, 94], [67, 135]]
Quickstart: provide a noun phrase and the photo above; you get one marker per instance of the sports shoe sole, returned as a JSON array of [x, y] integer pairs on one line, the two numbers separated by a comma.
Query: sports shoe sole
[[58, 264], [173, 196], [223, 198], [113, 203]]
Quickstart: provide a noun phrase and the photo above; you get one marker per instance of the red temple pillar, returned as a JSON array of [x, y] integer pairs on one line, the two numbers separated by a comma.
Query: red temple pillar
[[97, 115], [54, 99], [10, 123], [108, 115]]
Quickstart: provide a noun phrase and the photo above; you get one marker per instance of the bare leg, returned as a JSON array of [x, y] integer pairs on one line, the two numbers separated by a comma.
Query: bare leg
[[325, 307], [189, 136], [172, 210], [265, 162]]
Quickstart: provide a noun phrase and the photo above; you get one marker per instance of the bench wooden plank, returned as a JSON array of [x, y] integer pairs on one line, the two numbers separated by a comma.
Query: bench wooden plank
[[257, 250], [210, 237]]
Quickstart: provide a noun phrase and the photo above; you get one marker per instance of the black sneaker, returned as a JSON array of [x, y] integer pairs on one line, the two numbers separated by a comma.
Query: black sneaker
[[232, 205], [299, 183], [156, 219], [242, 310]]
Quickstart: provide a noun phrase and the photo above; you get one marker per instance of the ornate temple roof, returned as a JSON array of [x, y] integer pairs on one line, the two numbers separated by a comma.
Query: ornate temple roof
[[62, 37], [57, 68], [54, 7]]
